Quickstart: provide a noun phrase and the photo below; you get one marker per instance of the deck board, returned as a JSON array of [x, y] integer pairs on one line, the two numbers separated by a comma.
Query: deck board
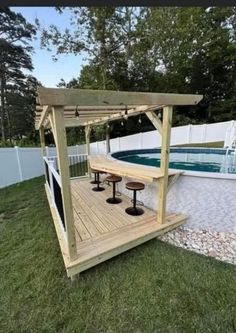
[[104, 230], [93, 213]]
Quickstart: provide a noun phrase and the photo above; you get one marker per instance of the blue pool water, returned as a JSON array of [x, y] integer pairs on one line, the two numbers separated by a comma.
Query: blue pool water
[[194, 159]]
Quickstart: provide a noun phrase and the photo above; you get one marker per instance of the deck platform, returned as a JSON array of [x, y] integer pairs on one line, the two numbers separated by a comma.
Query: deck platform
[[104, 230]]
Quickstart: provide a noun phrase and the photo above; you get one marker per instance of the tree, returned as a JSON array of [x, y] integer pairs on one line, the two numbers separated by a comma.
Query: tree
[[172, 49], [195, 50], [106, 35], [15, 35]]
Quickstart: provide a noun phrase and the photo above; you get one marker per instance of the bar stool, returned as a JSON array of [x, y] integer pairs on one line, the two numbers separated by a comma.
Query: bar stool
[[98, 188], [95, 181], [114, 179], [134, 186]]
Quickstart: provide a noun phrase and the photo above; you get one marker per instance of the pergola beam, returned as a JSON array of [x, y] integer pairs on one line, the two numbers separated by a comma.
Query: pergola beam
[[164, 165], [63, 163], [122, 114], [87, 138], [155, 121], [44, 114], [80, 97]]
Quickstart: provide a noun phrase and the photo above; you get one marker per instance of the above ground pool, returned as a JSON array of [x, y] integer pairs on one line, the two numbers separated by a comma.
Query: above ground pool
[[205, 191], [191, 159]]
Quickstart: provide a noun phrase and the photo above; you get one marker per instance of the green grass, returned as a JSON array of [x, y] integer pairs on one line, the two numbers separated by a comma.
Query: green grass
[[152, 288], [218, 144]]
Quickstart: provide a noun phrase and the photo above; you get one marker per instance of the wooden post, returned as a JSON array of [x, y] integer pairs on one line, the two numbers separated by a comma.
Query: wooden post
[[42, 140], [165, 149], [108, 146], [63, 163], [87, 137], [43, 147]]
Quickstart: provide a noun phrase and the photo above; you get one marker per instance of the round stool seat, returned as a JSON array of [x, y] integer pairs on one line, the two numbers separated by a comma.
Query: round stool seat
[[114, 178], [135, 186]]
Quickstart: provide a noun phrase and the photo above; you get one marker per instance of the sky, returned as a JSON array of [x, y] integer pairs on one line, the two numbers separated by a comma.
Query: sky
[[47, 71]]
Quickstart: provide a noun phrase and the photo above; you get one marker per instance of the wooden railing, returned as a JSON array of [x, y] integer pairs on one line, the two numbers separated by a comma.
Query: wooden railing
[[78, 165], [53, 183]]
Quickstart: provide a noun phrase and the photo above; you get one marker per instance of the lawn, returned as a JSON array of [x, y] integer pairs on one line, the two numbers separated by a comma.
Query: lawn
[[153, 288]]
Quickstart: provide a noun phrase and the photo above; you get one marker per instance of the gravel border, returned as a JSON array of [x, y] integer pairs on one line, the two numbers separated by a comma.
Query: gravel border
[[220, 245]]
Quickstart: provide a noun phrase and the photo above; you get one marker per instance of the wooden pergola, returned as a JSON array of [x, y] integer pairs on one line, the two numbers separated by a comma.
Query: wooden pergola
[[62, 108]]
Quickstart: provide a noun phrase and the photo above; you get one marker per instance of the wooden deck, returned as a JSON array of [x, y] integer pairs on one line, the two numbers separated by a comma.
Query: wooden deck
[[104, 230]]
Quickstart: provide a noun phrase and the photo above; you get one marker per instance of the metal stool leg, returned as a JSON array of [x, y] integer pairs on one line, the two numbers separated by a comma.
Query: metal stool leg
[[98, 188], [135, 211], [114, 200]]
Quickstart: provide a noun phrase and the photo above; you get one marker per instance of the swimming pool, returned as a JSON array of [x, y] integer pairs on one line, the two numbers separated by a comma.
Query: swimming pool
[[193, 159], [205, 191]]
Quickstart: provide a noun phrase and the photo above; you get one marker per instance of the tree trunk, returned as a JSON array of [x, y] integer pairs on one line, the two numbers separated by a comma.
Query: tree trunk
[[2, 114], [9, 125]]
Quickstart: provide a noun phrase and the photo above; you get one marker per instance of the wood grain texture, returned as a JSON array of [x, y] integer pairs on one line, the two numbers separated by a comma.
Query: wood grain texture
[[87, 97]]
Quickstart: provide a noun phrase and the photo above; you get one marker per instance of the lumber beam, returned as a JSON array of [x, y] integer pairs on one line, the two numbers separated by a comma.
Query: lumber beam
[[165, 150], [87, 138], [132, 112], [50, 118], [172, 180], [42, 140], [80, 97], [63, 163], [46, 109], [155, 120]]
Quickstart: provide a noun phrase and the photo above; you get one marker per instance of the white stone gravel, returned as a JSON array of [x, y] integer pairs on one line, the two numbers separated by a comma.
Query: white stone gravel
[[220, 245]]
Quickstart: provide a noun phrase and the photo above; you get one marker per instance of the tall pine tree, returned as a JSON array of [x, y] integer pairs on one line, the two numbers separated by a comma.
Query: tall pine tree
[[15, 58]]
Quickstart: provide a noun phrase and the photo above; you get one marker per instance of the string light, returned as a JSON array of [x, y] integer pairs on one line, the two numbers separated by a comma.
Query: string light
[[76, 113], [126, 113], [122, 123], [140, 120], [159, 115]]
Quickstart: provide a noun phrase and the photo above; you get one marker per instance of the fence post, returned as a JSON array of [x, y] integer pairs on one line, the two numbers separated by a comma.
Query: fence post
[[204, 133], [18, 162], [47, 151], [77, 149], [189, 133], [141, 140]]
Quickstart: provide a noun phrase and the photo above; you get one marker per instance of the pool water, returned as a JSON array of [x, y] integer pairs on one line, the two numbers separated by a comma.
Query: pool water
[[206, 160]]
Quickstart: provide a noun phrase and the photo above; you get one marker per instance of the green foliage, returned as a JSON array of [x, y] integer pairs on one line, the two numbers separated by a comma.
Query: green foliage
[[157, 49], [17, 90]]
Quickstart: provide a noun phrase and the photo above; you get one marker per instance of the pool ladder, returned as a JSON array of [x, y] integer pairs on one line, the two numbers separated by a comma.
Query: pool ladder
[[229, 160]]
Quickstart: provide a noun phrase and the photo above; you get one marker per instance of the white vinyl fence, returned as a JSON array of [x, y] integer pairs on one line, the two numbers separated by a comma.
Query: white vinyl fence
[[18, 164]]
